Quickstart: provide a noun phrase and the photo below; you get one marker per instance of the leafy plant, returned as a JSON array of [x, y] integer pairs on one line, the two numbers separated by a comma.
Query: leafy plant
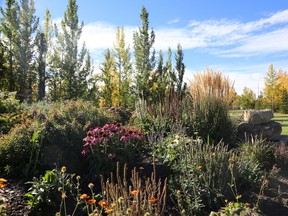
[[41, 189], [60, 128], [203, 173], [55, 188], [8, 102], [9, 113], [259, 151]]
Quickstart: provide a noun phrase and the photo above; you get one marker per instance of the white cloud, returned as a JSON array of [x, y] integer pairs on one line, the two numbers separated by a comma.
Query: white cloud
[[173, 21], [227, 38], [266, 43]]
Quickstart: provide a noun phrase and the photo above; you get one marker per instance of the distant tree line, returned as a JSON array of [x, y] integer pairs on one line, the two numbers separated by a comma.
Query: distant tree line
[[274, 95], [45, 62]]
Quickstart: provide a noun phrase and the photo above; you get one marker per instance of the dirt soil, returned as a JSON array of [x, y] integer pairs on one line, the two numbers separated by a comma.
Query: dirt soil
[[274, 202]]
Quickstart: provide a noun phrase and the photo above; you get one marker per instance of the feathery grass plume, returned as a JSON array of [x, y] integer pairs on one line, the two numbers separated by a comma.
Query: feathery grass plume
[[212, 83], [139, 197], [211, 94]]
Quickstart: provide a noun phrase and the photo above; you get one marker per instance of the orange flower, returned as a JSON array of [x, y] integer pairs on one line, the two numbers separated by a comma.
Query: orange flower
[[134, 192], [2, 185], [108, 211], [102, 204], [84, 196], [91, 201], [153, 200], [3, 180], [247, 204], [199, 167]]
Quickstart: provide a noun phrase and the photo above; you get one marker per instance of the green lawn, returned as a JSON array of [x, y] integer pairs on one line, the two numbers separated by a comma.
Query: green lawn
[[278, 117], [283, 119]]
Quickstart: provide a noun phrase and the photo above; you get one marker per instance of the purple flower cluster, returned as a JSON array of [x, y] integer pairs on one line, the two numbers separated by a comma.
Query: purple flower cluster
[[109, 135]]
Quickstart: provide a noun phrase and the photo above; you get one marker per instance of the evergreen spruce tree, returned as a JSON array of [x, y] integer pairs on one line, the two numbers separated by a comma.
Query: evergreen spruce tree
[[144, 56]]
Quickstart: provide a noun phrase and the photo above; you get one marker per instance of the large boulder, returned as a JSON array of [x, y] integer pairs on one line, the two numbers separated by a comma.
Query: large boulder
[[258, 116], [270, 131]]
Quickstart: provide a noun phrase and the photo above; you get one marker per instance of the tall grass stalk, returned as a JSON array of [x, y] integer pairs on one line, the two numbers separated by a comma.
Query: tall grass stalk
[[134, 197]]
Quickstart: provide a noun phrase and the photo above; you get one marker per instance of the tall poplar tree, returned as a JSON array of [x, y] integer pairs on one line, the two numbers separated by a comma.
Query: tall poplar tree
[[144, 55], [28, 24], [270, 86], [43, 45], [72, 59], [124, 70], [179, 77], [9, 26], [55, 72], [108, 77]]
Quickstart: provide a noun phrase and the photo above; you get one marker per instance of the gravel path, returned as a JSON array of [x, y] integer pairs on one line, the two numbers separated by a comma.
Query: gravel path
[[13, 200]]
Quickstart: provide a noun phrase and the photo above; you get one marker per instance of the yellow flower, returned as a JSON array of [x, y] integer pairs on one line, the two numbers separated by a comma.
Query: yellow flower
[[63, 195], [199, 167], [120, 200], [63, 169], [134, 192]]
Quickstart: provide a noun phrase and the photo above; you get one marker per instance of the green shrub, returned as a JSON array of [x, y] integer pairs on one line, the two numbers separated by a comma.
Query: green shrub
[[204, 175], [260, 152], [8, 102], [281, 154], [9, 113], [62, 126], [211, 119]]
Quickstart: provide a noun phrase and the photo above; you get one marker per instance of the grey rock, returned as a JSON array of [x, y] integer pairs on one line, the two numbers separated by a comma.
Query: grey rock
[[270, 131], [258, 116]]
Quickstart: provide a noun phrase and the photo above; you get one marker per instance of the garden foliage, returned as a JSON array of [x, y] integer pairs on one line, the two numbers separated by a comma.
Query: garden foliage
[[60, 130]]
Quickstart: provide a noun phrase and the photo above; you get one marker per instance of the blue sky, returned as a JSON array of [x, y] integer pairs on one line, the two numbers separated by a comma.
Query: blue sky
[[240, 38]]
